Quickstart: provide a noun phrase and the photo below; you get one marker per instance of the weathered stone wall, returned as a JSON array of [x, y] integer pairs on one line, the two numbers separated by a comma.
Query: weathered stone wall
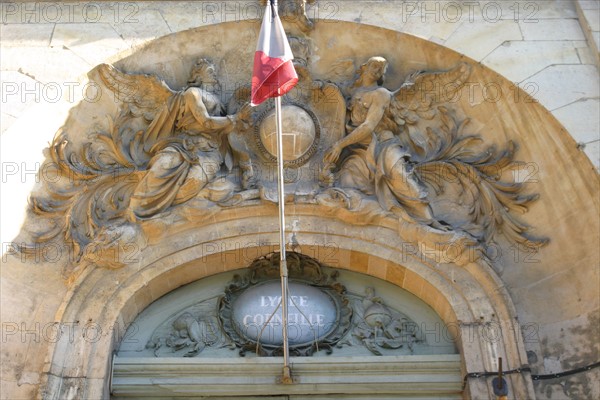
[[540, 45]]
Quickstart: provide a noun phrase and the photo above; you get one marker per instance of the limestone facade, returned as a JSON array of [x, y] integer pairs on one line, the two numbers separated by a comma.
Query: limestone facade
[[61, 320]]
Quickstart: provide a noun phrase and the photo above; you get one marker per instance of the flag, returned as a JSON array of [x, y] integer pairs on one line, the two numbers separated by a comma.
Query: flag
[[273, 74]]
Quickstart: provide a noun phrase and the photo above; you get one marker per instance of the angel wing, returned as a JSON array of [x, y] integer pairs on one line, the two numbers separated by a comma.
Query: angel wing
[[422, 91], [108, 166], [342, 70], [145, 94]]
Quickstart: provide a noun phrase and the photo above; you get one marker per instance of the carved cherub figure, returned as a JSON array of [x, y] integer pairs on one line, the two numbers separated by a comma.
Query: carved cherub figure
[[379, 164], [186, 162], [184, 139], [405, 149]]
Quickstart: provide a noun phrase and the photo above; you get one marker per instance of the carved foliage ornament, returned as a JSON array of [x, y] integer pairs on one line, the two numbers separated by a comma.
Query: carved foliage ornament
[[358, 150]]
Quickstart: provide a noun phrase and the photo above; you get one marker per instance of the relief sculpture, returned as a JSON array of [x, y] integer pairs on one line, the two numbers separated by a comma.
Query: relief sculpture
[[353, 147], [355, 324], [390, 158], [380, 328], [163, 149], [185, 141], [186, 336]]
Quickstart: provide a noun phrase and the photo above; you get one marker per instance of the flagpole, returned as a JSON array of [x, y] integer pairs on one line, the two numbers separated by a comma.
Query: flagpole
[[273, 75], [283, 270]]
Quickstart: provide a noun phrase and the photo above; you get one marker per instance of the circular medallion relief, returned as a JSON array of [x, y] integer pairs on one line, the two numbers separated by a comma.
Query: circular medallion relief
[[300, 133], [312, 314]]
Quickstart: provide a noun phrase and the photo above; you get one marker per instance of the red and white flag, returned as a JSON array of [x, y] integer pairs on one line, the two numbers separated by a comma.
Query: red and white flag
[[274, 74]]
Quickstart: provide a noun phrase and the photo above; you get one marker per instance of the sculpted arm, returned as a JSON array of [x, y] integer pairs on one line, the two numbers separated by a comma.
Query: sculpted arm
[[196, 118], [379, 101]]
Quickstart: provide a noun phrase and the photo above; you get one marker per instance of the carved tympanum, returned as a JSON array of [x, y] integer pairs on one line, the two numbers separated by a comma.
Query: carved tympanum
[[403, 156], [323, 316]]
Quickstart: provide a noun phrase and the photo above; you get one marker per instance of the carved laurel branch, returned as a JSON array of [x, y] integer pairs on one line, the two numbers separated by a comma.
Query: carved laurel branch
[[90, 190], [451, 155]]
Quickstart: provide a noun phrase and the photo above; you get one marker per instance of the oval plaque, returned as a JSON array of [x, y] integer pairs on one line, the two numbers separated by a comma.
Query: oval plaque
[[312, 314]]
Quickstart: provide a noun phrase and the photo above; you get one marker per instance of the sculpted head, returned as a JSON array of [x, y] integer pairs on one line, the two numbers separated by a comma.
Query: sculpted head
[[372, 71], [203, 72]]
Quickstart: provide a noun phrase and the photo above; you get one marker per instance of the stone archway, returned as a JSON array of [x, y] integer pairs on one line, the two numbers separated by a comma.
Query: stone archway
[[469, 299]]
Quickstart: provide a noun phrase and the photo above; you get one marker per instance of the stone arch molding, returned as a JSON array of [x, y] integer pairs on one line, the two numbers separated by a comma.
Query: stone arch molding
[[471, 299], [171, 182]]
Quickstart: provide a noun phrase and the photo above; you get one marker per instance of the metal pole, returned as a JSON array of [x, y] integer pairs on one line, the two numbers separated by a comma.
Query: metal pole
[[283, 271]]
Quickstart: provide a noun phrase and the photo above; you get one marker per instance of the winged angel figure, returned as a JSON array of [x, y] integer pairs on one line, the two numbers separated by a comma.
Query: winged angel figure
[[163, 149], [390, 158]]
